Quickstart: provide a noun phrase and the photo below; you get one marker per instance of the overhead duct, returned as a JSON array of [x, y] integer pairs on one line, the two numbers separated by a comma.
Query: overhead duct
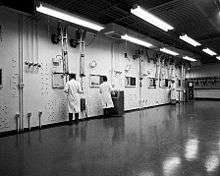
[[114, 31]]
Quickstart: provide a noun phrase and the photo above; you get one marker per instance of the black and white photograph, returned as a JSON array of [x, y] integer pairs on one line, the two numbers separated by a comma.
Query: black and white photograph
[[109, 87]]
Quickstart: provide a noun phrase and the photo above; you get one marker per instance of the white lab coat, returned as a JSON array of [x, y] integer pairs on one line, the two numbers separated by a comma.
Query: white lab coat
[[173, 91], [105, 90], [73, 89]]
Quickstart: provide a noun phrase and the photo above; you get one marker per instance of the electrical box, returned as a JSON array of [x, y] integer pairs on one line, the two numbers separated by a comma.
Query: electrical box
[[152, 83], [57, 65], [57, 81], [130, 82]]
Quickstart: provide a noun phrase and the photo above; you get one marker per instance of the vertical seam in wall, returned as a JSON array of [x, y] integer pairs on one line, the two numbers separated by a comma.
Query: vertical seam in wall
[[20, 69], [112, 61]]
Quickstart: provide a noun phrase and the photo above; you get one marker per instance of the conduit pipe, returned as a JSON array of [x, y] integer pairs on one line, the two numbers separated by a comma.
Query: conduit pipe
[[183, 81], [27, 45], [40, 120], [112, 61], [17, 118], [20, 70], [32, 43], [82, 53], [158, 72], [140, 84], [36, 40], [29, 120]]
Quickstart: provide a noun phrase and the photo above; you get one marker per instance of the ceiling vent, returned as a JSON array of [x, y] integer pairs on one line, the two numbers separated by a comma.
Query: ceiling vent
[[114, 31]]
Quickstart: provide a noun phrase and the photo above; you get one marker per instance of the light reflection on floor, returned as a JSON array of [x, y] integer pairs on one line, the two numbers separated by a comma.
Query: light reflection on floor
[[181, 140]]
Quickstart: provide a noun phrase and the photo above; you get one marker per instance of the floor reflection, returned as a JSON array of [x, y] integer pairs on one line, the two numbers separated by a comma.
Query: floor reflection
[[191, 149], [212, 163], [170, 165], [181, 140]]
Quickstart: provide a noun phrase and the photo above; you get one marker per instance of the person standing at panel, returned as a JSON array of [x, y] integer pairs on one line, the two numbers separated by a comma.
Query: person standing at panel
[[73, 89], [173, 92], [105, 91]]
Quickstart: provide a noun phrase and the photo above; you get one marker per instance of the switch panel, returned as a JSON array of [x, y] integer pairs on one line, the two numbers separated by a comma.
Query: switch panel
[[57, 64]]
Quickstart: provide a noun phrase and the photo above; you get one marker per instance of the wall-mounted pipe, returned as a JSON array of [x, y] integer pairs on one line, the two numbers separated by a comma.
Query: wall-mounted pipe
[[64, 44], [182, 74], [112, 61], [20, 70], [160, 71], [82, 53], [39, 117], [158, 66], [17, 118], [27, 46], [140, 83], [32, 42], [37, 41], [29, 120]]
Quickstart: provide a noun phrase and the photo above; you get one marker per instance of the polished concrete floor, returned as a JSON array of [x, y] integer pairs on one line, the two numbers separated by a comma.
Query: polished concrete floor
[[181, 140]]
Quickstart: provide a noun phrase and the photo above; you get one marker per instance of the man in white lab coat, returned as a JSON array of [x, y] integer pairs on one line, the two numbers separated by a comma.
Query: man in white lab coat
[[105, 90], [73, 89], [173, 92]]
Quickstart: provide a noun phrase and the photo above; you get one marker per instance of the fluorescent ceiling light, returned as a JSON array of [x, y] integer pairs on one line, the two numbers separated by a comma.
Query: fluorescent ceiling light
[[57, 13], [150, 18], [218, 57], [167, 51], [189, 40], [210, 52], [136, 41], [189, 59]]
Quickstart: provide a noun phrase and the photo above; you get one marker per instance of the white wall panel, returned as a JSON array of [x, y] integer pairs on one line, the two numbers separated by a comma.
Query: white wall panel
[[9, 64]]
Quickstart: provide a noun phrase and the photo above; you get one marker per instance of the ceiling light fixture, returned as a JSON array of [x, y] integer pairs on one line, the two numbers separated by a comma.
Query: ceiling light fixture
[[189, 59], [150, 18], [60, 14], [136, 41], [218, 57], [210, 52], [167, 51], [189, 40]]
